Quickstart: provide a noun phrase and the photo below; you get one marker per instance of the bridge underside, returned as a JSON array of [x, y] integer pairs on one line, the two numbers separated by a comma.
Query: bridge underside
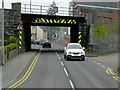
[[44, 20]]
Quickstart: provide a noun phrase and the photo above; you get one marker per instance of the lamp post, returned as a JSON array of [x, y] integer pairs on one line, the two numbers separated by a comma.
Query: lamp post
[[3, 59]]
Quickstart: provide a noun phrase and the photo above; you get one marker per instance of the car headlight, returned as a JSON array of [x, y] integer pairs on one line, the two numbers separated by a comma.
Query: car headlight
[[69, 52], [81, 52]]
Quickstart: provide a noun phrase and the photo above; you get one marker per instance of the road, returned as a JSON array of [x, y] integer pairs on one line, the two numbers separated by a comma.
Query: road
[[51, 70]]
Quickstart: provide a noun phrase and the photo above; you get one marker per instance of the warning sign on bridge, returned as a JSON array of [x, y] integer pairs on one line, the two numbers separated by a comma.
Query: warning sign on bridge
[[19, 27]]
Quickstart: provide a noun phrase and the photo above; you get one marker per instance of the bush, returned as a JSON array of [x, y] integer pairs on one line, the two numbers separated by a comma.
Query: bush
[[118, 69], [101, 30], [5, 49], [0, 48], [11, 45], [12, 39]]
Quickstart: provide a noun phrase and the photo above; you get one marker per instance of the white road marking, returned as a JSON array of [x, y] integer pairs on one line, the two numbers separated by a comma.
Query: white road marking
[[57, 54], [102, 65], [98, 63], [71, 84], [94, 61], [109, 69], [66, 72], [59, 58], [62, 63]]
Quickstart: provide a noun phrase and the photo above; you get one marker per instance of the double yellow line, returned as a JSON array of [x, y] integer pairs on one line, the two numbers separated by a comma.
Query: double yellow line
[[27, 74], [115, 76]]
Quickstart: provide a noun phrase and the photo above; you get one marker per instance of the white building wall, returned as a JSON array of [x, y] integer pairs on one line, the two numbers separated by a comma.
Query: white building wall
[[39, 33]]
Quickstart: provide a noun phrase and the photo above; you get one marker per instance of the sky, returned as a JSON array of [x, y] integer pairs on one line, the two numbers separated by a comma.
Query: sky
[[60, 3], [63, 3]]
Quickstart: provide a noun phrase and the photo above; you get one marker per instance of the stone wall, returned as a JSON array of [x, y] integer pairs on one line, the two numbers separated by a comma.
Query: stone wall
[[12, 19], [11, 54]]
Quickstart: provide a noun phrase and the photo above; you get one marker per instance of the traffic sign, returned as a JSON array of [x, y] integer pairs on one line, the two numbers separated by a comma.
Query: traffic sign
[[55, 9], [19, 27]]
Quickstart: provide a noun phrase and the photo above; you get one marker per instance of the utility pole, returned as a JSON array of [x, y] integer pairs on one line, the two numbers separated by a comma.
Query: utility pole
[[3, 57]]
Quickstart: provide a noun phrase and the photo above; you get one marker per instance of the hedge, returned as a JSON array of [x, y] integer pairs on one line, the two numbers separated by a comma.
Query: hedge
[[11, 45], [12, 39]]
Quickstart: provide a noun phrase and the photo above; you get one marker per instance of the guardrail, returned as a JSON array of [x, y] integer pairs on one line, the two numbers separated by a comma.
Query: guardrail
[[42, 9]]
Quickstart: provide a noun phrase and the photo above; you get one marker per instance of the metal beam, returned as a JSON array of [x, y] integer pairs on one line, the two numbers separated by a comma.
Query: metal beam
[[99, 7]]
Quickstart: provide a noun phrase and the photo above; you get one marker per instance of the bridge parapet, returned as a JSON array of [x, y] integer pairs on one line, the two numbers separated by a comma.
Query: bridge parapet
[[42, 9]]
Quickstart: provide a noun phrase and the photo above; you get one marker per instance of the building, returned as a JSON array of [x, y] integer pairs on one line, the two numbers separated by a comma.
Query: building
[[96, 12], [38, 33]]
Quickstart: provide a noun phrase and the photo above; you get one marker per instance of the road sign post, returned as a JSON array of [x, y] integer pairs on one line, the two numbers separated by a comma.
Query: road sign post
[[20, 28]]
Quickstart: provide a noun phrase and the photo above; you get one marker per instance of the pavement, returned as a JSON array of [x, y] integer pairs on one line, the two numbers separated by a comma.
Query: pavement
[[11, 69]]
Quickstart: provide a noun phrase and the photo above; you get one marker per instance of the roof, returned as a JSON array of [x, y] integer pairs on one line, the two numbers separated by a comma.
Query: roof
[[102, 3]]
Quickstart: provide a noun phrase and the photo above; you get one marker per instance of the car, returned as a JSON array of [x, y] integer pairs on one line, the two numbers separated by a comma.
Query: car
[[36, 42], [42, 40], [74, 51], [46, 43]]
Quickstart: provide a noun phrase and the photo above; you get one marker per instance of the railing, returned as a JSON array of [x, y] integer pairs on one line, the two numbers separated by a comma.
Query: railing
[[42, 9]]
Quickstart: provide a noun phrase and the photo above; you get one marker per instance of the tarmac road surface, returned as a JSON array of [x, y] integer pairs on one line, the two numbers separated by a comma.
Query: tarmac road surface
[[51, 70]]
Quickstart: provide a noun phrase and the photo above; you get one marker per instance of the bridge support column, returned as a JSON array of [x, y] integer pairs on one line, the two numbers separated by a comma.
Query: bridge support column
[[27, 36], [74, 34]]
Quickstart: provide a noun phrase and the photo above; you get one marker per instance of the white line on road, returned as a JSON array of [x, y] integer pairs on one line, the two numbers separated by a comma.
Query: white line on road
[[109, 69], [56, 52], [59, 58], [66, 72], [94, 61], [62, 63], [102, 65], [71, 84], [98, 63]]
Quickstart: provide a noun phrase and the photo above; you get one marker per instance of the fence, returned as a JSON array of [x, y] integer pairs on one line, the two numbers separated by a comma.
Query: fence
[[105, 44], [42, 9]]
